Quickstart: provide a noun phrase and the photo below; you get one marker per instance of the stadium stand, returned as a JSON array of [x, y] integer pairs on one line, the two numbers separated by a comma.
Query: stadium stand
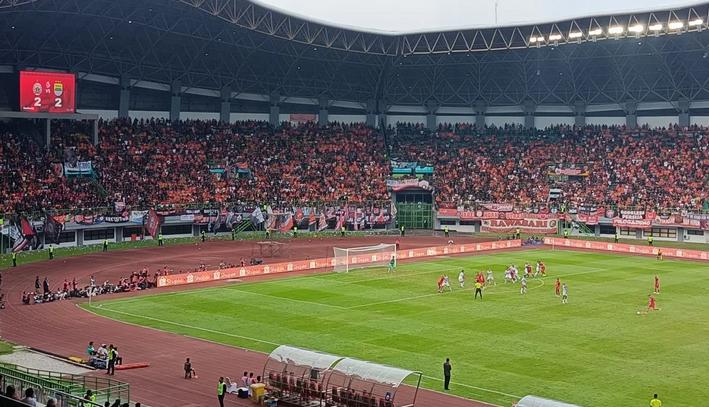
[[145, 163]]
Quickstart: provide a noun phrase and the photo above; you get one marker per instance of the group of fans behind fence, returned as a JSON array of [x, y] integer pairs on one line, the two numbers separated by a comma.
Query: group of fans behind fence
[[157, 162]]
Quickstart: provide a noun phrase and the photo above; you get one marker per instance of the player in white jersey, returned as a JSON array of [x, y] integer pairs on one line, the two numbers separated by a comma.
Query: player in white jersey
[[564, 294], [461, 279], [508, 275], [515, 273], [490, 278], [538, 269], [523, 290], [446, 283]]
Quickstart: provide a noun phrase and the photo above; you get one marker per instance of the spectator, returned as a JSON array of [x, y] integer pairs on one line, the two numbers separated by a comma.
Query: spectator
[[11, 393], [51, 403], [29, 398], [90, 351]]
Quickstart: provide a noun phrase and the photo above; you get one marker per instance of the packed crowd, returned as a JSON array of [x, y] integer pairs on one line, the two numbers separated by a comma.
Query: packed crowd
[[158, 162], [665, 168]]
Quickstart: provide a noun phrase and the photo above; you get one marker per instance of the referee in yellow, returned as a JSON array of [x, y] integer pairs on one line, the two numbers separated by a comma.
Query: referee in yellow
[[478, 289], [655, 402]]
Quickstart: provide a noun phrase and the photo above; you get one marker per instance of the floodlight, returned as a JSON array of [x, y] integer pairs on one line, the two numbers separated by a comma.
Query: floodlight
[[655, 27], [615, 30], [597, 31], [555, 37], [676, 25], [696, 22], [533, 40], [576, 34], [638, 28]]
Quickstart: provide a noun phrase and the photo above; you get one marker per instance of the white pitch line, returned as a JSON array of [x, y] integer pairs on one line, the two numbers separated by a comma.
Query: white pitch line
[[162, 321], [196, 328], [475, 388], [292, 299]]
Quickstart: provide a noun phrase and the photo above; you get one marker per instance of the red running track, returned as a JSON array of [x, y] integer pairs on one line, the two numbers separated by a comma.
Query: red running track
[[65, 329]]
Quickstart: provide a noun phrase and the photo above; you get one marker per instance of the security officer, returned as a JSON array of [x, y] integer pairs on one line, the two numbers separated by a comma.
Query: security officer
[[295, 231], [615, 239], [342, 231], [519, 234], [203, 235], [233, 233], [403, 230], [445, 230], [14, 259], [566, 234], [51, 252], [268, 233], [221, 390], [105, 245], [649, 240], [160, 242]]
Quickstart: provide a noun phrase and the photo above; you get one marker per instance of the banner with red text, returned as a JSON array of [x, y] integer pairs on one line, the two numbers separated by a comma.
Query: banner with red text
[[632, 223], [529, 225], [587, 219]]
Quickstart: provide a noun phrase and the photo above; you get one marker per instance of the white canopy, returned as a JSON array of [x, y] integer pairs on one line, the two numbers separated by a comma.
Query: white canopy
[[534, 401], [292, 356], [372, 372]]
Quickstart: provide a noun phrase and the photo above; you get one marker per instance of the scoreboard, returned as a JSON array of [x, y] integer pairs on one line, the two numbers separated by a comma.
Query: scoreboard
[[47, 92]]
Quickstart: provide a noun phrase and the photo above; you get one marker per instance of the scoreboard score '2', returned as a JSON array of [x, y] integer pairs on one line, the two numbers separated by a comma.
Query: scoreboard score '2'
[[47, 92]]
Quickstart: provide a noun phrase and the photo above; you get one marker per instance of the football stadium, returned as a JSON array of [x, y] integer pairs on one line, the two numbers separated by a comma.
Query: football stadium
[[441, 203]]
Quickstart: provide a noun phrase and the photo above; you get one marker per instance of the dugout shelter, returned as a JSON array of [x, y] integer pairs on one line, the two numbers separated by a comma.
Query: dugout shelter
[[534, 401], [361, 383]]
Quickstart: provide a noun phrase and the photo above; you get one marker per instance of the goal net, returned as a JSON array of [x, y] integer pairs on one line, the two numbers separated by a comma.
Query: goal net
[[361, 257]]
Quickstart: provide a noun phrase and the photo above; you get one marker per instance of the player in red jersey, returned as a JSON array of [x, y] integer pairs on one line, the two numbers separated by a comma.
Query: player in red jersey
[[557, 288], [527, 270], [440, 284], [651, 305], [543, 268], [657, 285]]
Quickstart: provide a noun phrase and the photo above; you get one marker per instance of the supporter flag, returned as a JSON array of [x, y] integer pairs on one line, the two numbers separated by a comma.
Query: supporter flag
[[52, 229], [271, 223], [152, 223], [287, 223], [311, 218], [393, 210], [299, 216], [230, 219], [322, 225], [340, 222], [257, 216], [218, 221], [25, 237]]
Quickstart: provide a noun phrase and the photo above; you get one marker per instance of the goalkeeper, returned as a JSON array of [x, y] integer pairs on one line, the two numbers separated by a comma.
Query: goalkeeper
[[392, 265]]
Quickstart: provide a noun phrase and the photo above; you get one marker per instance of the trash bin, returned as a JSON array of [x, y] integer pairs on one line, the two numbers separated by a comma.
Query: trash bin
[[257, 391]]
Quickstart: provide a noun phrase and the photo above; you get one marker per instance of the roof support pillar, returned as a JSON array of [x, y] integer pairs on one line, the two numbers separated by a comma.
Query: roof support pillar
[[529, 108], [579, 114], [683, 106], [323, 117], [431, 108], [176, 100], [382, 109], [372, 113], [274, 117], [124, 101], [225, 106], [480, 109], [631, 114]]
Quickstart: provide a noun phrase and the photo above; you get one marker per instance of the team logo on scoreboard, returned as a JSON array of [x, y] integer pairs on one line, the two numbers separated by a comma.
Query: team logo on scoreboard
[[37, 89], [58, 88]]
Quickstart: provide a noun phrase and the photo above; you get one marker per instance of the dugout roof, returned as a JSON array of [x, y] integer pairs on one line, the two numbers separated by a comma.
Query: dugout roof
[[373, 372], [290, 356], [209, 45]]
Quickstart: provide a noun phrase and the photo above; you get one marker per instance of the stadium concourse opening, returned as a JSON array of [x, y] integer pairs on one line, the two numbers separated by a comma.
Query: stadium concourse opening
[[302, 377]]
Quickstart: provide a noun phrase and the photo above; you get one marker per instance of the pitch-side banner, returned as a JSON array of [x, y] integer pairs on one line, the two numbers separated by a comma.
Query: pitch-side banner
[[275, 268], [527, 225], [626, 248]]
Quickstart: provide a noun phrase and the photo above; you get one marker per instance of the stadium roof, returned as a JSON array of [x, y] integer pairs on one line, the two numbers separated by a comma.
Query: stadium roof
[[211, 44], [396, 17]]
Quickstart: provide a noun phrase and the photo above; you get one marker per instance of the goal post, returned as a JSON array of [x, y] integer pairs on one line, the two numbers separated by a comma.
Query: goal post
[[361, 257]]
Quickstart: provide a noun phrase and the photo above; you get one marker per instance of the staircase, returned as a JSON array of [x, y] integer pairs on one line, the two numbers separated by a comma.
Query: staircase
[[99, 187], [241, 227], [584, 230]]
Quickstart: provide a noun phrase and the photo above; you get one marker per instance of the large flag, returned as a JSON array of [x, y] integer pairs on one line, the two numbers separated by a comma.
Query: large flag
[[393, 210], [271, 223], [287, 223], [52, 229], [340, 222], [25, 237], [299, 216], [257, 216], [322, 225], [312, 219], [218, 222], [152, 223]]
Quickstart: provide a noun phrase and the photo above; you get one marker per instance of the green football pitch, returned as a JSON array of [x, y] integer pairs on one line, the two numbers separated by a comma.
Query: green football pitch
[[594, 351]]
